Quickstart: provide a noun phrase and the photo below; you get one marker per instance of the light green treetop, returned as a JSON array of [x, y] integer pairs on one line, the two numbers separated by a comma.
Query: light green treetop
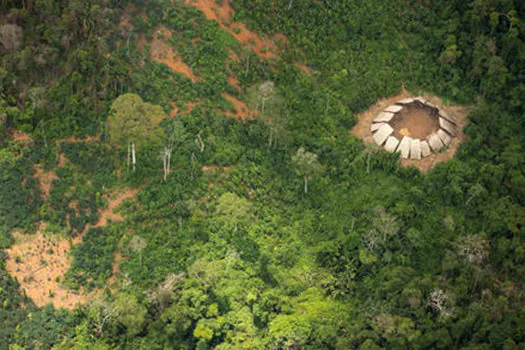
[[133, 120]]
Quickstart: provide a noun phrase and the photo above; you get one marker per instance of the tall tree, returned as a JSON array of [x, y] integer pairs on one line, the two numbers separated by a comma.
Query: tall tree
[[306, 165], [175, 136], [133, 121]]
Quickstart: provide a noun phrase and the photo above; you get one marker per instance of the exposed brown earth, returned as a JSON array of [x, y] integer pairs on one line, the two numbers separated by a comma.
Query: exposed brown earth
[[234, 82], [45, 179], [40, 262], [21, 136], [234, 56], [416, 122], [188, 109], [362, 129], [109, 212], [162, 52], [72, 139], [241, 109], [208, 168]]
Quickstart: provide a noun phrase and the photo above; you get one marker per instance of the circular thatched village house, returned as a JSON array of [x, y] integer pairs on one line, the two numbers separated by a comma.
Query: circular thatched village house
[[413, 127]]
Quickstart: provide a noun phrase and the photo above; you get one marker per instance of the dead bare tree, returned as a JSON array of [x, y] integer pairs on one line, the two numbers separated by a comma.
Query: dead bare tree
[[199, 142], [10, 37], [474, 249], [137, 244], [164, 293], [439, 301], [176, 136], [101, 312]]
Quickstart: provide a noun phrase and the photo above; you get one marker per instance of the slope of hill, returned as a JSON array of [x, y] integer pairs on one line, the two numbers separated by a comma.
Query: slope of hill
[[182, 174]]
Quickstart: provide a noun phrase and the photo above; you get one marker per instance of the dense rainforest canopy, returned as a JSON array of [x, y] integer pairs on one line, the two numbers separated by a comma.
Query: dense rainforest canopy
[[180, 175]]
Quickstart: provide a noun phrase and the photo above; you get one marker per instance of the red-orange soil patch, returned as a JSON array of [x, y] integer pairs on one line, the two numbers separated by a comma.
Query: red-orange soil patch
[[39, 263], [264, 48], [61, 159], [208, 168], [234, 56], [45, 179], [241, 109], [72, 139], [109, 212], [142, 42], [21, 136], [303, 68], [362, 129], [189, 108], [195, 40], [234, 82], [162, 52]]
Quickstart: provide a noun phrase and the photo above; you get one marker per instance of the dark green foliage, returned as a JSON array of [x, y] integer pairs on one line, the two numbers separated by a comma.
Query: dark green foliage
[[72, 202], [92, 258], [11, 314], [19, 195], [45, 328], [373, 256], [91, 157]]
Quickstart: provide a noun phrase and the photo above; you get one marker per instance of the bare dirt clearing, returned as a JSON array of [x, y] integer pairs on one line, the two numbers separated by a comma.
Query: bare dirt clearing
[[362, 129], [39, 262], [415, 122]]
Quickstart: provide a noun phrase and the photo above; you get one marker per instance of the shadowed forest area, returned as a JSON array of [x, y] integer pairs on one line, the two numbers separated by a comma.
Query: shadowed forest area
[[181, 174]]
